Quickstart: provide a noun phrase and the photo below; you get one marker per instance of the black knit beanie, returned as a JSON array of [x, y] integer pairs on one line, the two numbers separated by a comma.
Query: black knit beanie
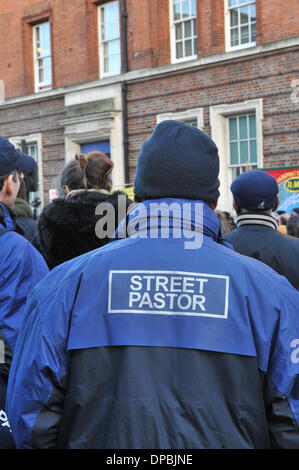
[[177, 161]]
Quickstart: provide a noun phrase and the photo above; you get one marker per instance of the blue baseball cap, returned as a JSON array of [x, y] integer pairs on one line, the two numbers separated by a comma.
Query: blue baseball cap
[[12, 159], [255, 190]]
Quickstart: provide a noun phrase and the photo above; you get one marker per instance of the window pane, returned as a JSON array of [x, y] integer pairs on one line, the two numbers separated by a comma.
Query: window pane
[[234, 153], [41, 75], [187, 27], [194, 46], [106, 64], [114, 63], [114, 47], [177, 11], [252, 126], [179, 50], [253, 32], [232, 3], [47, 70], [234, 37], [233, 133], [244, 15], [243, 127], [244, 34], [234, 18], [193, 7], [179, 31], [235, 172], [44, 41], [185, 9], [194, 27], [244, 158], [188, 48], [253, 151], [253, 12]]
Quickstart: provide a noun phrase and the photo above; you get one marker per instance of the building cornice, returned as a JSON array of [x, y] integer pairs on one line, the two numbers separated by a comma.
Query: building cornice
[[258, 51]]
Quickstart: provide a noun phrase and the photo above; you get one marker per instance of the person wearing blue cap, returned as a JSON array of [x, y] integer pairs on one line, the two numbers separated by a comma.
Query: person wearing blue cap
[[255, 194], [150, 343], [21, 268]]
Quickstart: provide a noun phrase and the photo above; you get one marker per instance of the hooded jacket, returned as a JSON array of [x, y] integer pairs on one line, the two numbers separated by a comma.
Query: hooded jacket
[[21, 268], [67, 226], [166, 339]]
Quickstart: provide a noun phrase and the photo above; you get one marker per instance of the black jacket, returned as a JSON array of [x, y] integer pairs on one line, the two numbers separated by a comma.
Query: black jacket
[[256, 235], [66, 228]]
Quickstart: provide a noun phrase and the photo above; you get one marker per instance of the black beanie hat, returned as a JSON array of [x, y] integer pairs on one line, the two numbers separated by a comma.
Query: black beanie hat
[[177, 161]]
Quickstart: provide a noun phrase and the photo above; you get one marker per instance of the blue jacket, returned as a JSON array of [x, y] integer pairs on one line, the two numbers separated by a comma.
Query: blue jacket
[[146, 343], [21, 268]]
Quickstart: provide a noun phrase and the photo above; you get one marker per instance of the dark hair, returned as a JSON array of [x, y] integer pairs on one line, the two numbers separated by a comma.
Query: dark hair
[[97, 168], [293, 226], [71, 176]]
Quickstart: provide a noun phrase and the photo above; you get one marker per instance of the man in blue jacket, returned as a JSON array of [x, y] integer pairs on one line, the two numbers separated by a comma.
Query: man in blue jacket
[[165, 339], [255, 195], [21, 268]]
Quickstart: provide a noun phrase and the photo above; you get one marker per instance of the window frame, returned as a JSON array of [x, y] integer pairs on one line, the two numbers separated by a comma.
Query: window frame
[[104, 74], [184, 116], [219, 115], [174, 59], [41, 86], [248, 164], [228, 27]]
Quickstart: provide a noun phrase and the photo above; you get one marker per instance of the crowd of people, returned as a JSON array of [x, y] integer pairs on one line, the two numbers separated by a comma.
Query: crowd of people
[[137, 338]]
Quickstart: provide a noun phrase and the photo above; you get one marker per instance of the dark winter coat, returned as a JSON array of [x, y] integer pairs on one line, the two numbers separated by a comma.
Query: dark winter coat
[[147, 344], [25, 219], [257, 236], [66, 228]]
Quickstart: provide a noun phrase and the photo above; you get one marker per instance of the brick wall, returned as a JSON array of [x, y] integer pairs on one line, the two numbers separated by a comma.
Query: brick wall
[[268, 78], [34, 119], [74, 33]]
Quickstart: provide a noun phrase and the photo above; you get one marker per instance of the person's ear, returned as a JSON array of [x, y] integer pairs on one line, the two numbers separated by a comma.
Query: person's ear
[[276, 204], [8, 185], [236, 207], [214, 204]]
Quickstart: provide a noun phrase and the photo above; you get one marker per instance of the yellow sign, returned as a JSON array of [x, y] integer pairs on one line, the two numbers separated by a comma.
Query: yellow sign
[[128, 191], [292, 185]]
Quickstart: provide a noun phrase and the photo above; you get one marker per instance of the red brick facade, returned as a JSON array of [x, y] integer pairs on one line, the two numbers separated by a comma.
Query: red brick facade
[[154, 85]]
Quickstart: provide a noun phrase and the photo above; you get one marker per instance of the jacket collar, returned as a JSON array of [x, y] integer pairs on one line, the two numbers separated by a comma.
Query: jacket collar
[[257, 219], [178, 217]]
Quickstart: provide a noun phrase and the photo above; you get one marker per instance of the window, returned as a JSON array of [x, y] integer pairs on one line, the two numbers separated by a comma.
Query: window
[[32, 150], [241, 23], [242, 144], [109, 39], [237, 130], [42, 56], [183, 30], [103, 147]]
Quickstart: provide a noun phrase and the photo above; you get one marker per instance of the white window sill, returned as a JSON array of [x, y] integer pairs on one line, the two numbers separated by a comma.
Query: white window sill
[[184, 59], [240, 47]]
